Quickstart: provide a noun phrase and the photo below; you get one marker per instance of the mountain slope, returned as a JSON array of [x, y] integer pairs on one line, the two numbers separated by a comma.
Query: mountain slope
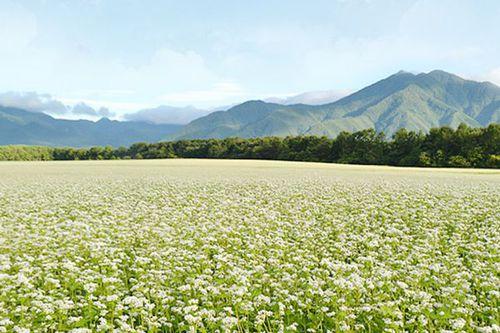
[[416, 102], [23, 127]]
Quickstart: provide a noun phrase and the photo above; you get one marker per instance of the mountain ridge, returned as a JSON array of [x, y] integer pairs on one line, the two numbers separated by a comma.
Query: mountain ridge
[[414, 101], [19, 126]]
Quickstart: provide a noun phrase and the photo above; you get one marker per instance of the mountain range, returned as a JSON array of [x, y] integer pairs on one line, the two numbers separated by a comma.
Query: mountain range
[[413, 101], [34, 128]]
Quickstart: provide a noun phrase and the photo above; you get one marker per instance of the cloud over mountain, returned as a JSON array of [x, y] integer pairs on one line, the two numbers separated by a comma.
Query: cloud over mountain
[[84, 109], [493, 76], [45, 103], [34, 102], [165, 114], [310, 97]]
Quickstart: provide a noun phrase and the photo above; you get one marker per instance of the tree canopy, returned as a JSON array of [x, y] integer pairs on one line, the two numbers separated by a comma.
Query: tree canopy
[[441, 147]]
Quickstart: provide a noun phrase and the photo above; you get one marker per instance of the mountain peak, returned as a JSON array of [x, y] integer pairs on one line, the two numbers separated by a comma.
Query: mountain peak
[[404, 99], [403, 72], [441, 75], [104, 120], [398, 78], [255, 102]]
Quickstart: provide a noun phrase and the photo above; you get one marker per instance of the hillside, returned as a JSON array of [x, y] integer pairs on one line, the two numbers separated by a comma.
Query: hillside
[[413, 101], [23, 127]]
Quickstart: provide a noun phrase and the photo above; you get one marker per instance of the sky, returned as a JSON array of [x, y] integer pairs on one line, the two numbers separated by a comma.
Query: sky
[[111, 57]]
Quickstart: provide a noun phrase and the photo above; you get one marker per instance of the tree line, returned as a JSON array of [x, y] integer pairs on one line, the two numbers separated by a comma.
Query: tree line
[[440, 147]]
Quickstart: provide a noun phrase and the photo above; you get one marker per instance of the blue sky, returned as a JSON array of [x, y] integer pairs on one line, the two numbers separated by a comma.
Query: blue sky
[[130, 54]]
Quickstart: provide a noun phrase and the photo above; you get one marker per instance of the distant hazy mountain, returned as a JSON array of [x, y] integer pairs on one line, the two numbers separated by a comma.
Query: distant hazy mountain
[[311, 97], [165, 114], [23, 127], [416, 102]]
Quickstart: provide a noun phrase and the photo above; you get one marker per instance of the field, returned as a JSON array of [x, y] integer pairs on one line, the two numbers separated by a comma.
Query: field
[[236, 246]]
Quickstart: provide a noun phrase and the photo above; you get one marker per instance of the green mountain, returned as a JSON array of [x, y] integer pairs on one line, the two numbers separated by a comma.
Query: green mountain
[[23, 127], [414, 101]]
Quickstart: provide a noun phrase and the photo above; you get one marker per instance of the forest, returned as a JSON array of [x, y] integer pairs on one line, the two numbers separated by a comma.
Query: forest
[[440, 147]]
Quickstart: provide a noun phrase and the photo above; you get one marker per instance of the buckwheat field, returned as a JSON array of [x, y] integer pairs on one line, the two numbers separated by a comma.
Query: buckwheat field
[[247, 246]]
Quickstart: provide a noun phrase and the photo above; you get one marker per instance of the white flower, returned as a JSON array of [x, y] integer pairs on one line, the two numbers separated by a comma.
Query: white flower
[[130, 248], [18, 329], [458, 323]]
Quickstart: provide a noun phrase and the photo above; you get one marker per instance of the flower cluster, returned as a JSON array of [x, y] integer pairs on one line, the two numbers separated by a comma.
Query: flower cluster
[[290, 249]]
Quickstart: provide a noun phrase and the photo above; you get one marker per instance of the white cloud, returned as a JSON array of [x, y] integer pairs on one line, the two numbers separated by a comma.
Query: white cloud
[[167, 69], [32, 101], [118, 107], [132, 67], [82, 76], [167, 115], [86, 110], [223, 92], [18, 27], [45, 103], [493, 76], [311, 97]]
